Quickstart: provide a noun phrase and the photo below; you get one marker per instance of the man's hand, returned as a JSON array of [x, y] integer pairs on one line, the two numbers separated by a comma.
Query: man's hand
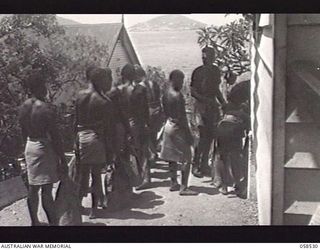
[[130, 139]]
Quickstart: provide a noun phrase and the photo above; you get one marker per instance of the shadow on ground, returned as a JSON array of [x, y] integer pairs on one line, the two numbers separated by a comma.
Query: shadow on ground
[[205, 190], [143, 200], [93, 224]]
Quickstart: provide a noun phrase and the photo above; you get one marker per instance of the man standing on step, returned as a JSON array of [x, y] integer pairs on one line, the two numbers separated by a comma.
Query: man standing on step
[[205, 82]]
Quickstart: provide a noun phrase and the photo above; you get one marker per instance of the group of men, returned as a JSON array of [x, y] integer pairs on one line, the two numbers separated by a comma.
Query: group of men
[[226, 121], [115, 125]]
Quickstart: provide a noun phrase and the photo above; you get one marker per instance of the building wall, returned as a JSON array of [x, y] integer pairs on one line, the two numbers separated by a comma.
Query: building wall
[[262, 108], [302, 132], [119, 58], [285, 117]]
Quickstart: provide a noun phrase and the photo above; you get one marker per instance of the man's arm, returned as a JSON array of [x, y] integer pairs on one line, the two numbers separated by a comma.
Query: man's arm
[[110, 133], [22, 118], [184, 120], [200, 98], [220, 97], [116, 98], [164, 106], [75, 126], [55, 135], [146, 113], [76, 118]]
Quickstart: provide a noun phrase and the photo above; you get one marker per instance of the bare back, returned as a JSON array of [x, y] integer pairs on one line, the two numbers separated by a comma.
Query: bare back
[[93, 109], [36, 118]]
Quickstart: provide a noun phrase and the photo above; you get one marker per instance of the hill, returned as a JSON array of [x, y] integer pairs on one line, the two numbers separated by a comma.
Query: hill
[[167, 23]]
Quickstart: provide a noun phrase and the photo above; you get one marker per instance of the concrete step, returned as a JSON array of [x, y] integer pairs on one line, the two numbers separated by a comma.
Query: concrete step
[[302, 195], [302, 145], [301, 213]]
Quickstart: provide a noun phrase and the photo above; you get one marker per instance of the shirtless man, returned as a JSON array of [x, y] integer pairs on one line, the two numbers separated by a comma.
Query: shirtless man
[[119, 178], [231, 130], [177, 137], [205, 82], [43, 150], [93, 118], [135, 103], [155, 108]]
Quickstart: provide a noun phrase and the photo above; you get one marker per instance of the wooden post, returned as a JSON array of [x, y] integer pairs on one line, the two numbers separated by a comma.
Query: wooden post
[[279, 88]]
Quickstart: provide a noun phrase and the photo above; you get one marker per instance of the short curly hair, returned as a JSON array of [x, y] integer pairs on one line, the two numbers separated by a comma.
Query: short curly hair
[[209, 50], [128, 72], [35, 82]]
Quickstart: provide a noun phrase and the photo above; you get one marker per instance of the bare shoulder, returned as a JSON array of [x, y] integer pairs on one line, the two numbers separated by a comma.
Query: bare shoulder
[[121, 87], [198, 68], [175, 95], [25, 107], [113, 92], [35, 103], [142, 84], [141, 87], [27, 103], [215, 68]]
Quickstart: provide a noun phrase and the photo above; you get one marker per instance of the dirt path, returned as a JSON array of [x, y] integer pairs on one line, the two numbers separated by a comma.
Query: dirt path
[[159, 206]]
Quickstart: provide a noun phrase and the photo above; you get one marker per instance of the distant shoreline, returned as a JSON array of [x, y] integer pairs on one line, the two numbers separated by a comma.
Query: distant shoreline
[[141, 31]]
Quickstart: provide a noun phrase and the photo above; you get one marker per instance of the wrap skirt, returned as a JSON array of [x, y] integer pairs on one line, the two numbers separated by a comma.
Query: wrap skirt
[[174, 144], [92, 148], [42, 162]]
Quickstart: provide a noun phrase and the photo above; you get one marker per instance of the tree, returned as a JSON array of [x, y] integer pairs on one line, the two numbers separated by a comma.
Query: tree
[[155, 74], [231, 42], [38, 42]]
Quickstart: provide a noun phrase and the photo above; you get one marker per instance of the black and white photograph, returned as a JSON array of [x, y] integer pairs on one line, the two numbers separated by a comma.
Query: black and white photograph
[[198, 119]]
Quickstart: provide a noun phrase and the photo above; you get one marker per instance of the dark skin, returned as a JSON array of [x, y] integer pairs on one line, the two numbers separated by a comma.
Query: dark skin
[[205, 89], [208, 59], [93, 107], [140, 108], [120, 115], [230, 146], [174, 107], [134, 103], [153, 97], [175, 95], [37, 120]]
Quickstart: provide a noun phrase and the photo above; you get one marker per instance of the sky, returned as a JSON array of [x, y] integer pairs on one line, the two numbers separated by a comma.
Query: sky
[[132, 19]]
